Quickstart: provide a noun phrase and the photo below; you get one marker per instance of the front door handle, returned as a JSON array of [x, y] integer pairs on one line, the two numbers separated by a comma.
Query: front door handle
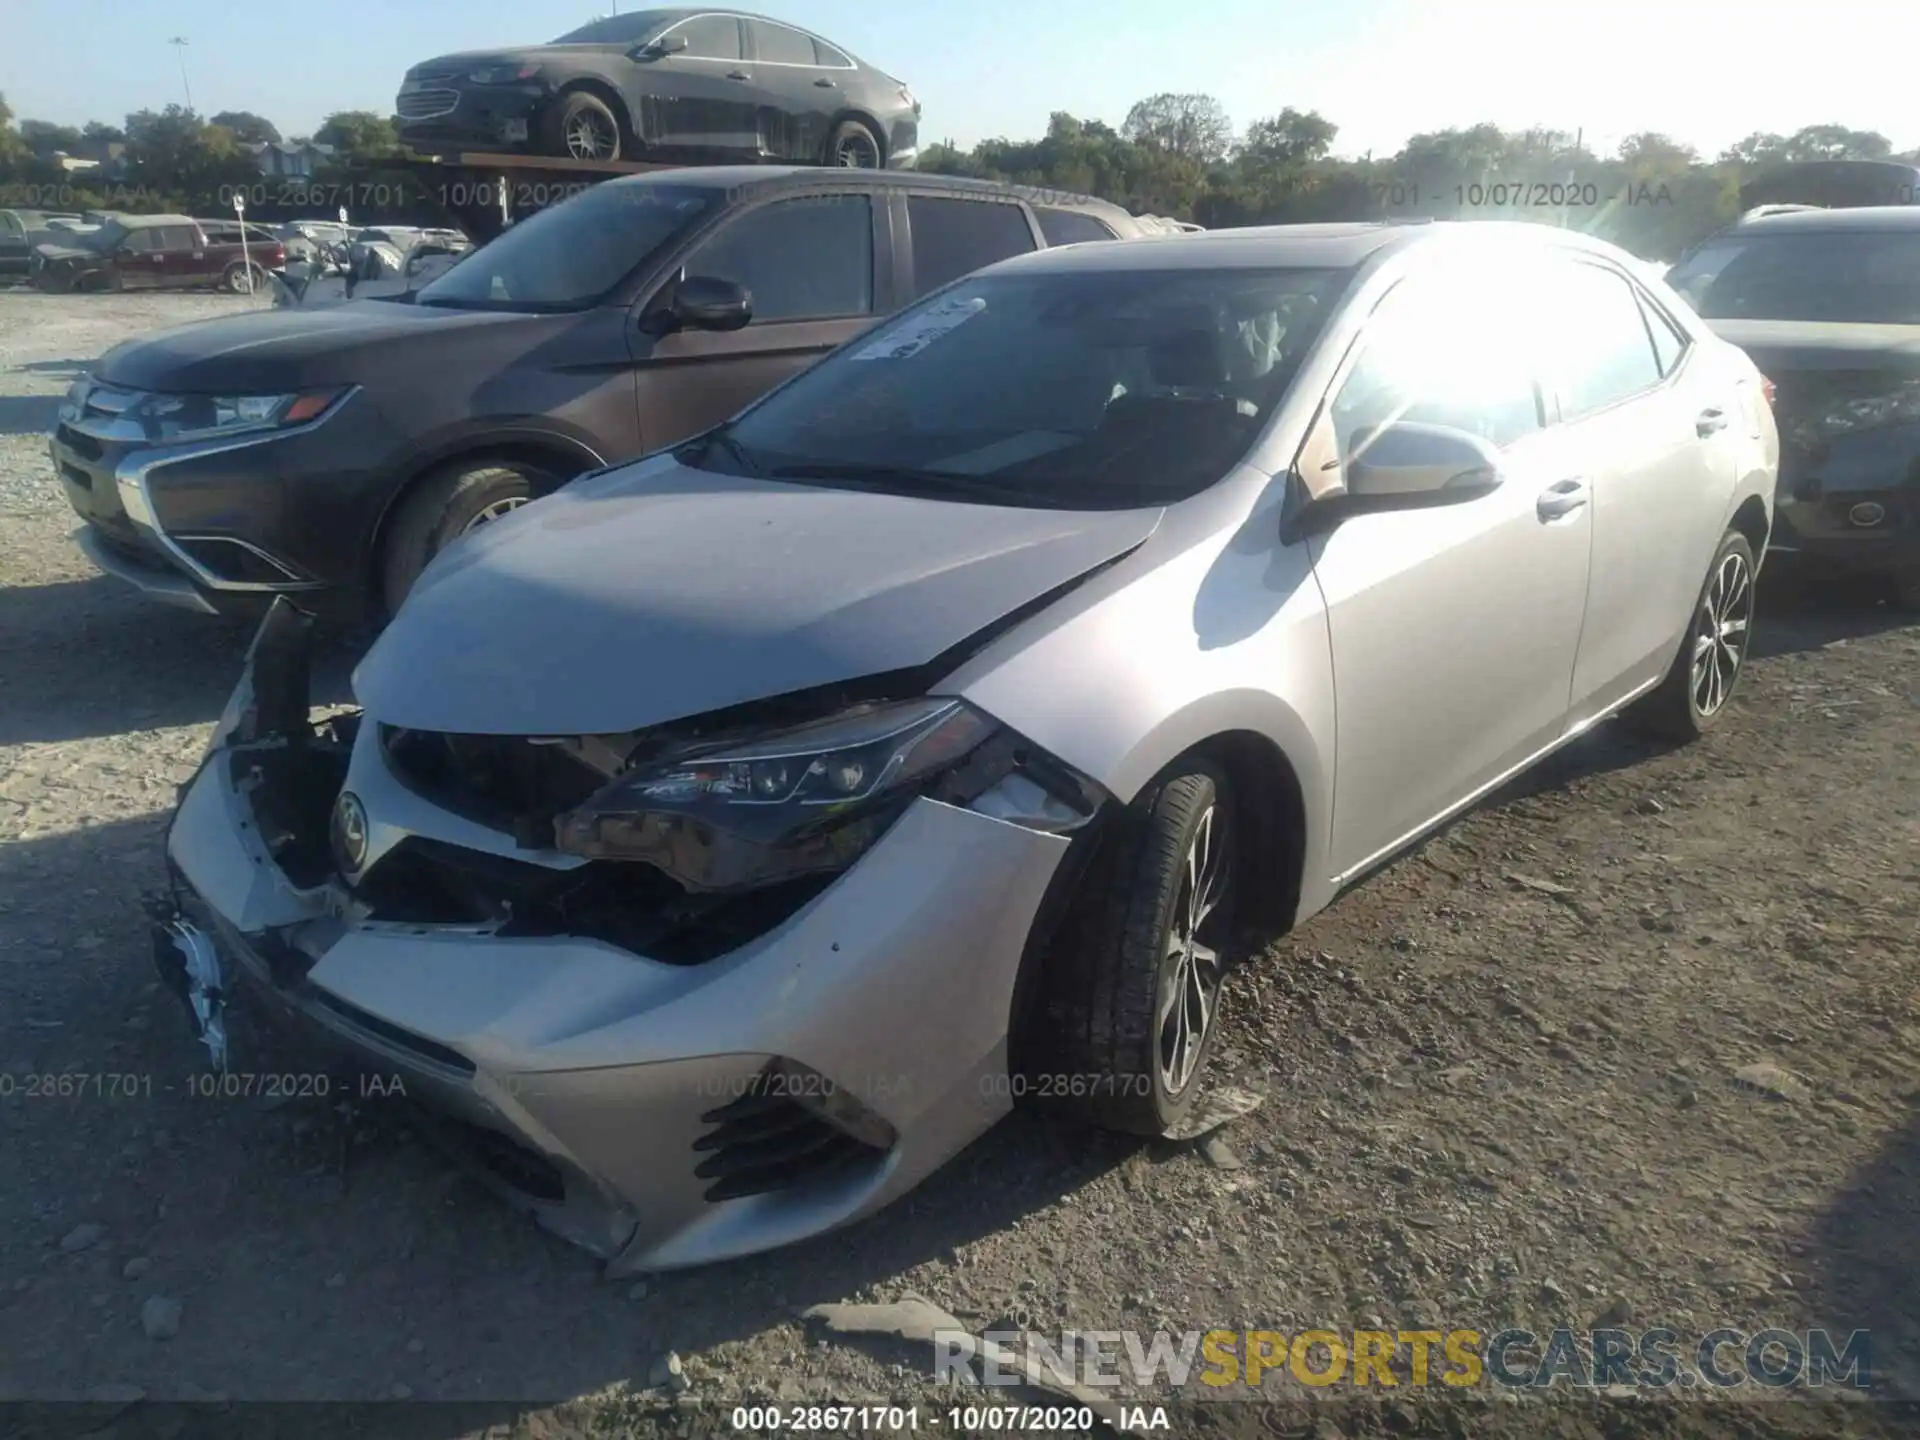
[[1562, 499], [738, 75], [826, 84], [1710, 422]]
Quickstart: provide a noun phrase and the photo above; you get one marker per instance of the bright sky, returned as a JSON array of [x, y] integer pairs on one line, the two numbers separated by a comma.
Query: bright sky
[[1704, 71]]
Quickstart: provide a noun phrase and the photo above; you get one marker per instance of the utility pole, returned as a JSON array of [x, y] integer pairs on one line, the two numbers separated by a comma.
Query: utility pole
[[179, 43]]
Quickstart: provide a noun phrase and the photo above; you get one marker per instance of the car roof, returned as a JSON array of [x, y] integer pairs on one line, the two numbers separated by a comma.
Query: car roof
[[804, 177], [1330, 246], [1860, 217], [137, 222]]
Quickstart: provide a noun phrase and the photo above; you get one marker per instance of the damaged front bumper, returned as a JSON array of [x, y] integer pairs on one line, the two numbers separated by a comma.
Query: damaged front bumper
[[660, 1114]]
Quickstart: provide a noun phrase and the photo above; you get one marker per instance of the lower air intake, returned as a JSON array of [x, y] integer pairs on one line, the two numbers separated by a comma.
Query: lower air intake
[[768, 1140]]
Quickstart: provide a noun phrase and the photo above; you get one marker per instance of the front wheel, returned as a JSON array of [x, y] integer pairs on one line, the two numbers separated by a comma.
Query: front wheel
[[443, 507], [1712, 656], [1130, 1006], [583, 127]]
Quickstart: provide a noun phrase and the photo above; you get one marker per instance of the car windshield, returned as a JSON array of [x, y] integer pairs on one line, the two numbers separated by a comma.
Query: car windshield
[[109, 236], [617, 29], [1861, 277], [1077, 390], [568, 257]]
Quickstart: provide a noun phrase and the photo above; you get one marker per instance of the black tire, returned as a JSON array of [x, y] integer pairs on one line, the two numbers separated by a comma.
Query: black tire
[[1096, 1048], [443, 506], [854, 145], [1689, 702], [582, 108]]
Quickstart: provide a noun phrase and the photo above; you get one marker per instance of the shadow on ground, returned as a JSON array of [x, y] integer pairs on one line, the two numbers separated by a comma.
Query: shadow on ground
[[89, 658], [28, 414], [319, 1250]]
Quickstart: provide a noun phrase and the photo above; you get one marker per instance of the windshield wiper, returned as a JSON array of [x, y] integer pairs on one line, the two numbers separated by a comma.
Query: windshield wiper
[[721, 438], [913, 482]]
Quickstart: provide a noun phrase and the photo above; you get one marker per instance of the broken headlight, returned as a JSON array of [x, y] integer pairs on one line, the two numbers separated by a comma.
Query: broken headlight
[[804, 801]]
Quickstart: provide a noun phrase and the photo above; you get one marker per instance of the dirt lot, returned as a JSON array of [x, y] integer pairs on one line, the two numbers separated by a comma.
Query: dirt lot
[[1502, 1081]]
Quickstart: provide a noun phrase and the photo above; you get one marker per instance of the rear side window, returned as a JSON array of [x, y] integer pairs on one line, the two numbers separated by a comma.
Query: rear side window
[[953, 237], [182, 237], [710, 37], [1595, 335], [145, 240], [804, 259], [825, 55], [777, 45], [1668, 343], [1070, 227]]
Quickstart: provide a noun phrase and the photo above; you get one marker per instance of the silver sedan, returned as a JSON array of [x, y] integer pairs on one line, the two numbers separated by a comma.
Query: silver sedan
[[729, 838]]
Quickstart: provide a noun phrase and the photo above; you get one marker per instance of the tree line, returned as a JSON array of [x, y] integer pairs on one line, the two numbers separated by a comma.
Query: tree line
[[1178, 155]]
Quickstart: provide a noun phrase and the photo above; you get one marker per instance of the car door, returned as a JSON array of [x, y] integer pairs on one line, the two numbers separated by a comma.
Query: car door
[[188, 256], [808, 263], [1652, 440], [1455, 627], [795, 96], [142, 259], [700, 101], [954, 235]]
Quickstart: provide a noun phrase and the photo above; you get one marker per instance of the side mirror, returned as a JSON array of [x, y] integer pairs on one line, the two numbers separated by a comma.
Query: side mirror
[[659, 49], [1409, 463], [1404, 466], [704, 302]]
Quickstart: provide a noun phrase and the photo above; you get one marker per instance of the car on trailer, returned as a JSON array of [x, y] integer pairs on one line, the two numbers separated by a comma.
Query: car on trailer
[[685, 85]]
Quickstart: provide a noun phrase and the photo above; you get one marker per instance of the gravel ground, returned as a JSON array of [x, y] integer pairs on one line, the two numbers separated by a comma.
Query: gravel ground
[[1510, 1080]]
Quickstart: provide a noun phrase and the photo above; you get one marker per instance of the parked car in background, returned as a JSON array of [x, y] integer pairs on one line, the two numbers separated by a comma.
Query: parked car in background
[[1827, 302], [329, 453], [725, 840], [382, 274], [144, 252], [20, 231], [1835, 184], [306, 240], [683, 85]]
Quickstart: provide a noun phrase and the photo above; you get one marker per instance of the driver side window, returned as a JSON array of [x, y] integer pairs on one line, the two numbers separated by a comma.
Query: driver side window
[[709, 37], [1456, 355], [144, 242], [805, 259]]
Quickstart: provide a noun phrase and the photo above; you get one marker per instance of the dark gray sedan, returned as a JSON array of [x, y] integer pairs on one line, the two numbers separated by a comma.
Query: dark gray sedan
[[688, 86]]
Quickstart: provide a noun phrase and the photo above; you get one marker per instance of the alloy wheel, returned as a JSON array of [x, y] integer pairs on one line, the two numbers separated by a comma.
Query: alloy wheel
[[1720, 634], [590, 136], [857, 152], [1190, 979], [493, 512]]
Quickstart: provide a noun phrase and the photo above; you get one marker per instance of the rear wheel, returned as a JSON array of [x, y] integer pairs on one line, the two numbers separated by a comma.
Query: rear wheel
[[443, 507], [1128, 1014], [854, 146], [1712, 656], [235, 278]]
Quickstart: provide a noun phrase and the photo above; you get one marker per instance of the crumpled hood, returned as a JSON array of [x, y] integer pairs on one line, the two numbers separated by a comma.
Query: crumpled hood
[[656, 592]]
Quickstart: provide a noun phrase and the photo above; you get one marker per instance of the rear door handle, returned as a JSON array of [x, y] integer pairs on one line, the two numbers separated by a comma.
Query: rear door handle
[[1710, 422], [738, 75], [826, 84], [1562, 499]]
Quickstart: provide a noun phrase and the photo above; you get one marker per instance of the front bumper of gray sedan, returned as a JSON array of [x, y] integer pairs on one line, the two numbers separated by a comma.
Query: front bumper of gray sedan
[[663, 1115]]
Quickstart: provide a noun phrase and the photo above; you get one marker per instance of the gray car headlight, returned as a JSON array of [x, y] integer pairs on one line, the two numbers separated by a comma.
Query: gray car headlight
[[196, 417], [801, 802], [502, 74]]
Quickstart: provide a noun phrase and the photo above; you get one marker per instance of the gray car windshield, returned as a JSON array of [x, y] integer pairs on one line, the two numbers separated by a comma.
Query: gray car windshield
[[617, 29], [1082, 390], [1860, 277], [571, 255]]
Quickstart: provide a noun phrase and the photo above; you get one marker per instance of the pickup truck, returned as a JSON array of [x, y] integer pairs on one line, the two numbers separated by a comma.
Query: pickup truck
[[148, 252]]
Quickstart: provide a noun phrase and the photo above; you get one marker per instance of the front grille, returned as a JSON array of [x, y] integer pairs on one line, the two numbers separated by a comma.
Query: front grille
[[767, 1142], [504, 782], [515, 1165], [85, 446], [635, 907], [394, 1035], [428, 104]]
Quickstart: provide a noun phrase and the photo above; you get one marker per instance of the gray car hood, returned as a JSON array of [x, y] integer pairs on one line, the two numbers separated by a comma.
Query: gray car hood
[[655, 592]]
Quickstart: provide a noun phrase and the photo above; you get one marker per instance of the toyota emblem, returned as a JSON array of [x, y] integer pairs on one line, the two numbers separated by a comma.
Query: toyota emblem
[[350, 832]]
